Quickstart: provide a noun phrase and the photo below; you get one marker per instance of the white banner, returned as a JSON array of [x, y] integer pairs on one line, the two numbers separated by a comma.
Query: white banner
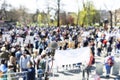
[[73, 56]]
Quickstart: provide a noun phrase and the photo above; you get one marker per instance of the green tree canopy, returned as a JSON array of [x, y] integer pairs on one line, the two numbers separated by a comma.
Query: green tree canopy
[[88, 14]]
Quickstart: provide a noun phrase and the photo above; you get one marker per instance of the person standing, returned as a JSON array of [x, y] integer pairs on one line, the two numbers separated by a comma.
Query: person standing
[[24, 60], [9, 71], [3, 70], [31, 71], [88, 62], [109, 62]]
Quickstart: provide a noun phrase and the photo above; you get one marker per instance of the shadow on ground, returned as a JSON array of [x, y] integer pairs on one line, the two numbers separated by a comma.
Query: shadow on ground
[[114, 77]]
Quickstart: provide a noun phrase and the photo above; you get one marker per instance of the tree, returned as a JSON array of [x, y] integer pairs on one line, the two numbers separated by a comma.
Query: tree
[[3, 11], [87, 14], [71, 18], [20, 15]]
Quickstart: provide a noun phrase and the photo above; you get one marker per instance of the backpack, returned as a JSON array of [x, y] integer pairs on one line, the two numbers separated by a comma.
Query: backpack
[[110, 61]]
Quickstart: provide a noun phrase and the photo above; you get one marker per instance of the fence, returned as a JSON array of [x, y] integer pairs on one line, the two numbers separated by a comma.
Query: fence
[[14, 76]]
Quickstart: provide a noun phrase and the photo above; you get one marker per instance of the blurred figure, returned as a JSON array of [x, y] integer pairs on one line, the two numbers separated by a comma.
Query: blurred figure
[[109, 62], [24, 60], [87, 63], [3, 70], [12, 59], [106, 25], [99, 48], [10, 71], [31, 71]]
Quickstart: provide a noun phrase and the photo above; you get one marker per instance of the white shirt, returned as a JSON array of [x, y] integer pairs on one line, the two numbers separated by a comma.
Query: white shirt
[[24, 61]]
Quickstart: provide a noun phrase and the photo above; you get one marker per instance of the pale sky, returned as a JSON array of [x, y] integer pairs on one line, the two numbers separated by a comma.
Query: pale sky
[[68, 5]]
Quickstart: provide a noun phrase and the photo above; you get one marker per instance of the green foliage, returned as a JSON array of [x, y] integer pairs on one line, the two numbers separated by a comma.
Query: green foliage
[[88, 14]]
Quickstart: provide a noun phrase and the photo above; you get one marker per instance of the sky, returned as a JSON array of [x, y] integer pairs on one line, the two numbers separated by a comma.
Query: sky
[[67, 5]]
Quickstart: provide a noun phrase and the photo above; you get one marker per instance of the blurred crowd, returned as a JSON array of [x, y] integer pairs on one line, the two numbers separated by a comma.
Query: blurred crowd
[[17, 57]]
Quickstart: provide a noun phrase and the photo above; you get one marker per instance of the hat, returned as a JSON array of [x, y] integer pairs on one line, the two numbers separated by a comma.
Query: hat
[[3, 49]]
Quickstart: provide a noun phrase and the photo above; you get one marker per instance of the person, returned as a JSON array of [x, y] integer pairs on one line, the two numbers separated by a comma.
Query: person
[[3, 70], [12, 59], [87, 63], [92, 44], [18, 54], [109, 49], [41, 47], [99, 48], [31, 71], [34, 57], [24, 60], [109, 61], [106, 25], [41, 63], [10, 71], [4, 53]]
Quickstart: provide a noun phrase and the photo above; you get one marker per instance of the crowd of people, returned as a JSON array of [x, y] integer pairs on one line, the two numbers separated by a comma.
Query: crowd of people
[[17, 57]]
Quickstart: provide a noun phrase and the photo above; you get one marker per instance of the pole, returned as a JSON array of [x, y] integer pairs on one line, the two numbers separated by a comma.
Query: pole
[[78, 14], [110, 18], [58, 16], [115, 16]]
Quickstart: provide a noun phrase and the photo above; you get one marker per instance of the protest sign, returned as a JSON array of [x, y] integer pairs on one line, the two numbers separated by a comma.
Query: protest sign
[[19, 41], [29, 39], [6, 37], [85, 34]]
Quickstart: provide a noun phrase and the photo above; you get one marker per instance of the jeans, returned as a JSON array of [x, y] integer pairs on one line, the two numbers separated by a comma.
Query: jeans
[[108, 69]]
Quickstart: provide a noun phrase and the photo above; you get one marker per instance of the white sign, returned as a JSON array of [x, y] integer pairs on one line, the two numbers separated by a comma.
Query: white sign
[[19, 41], [85, 34], [29, 39], [6, 37]]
